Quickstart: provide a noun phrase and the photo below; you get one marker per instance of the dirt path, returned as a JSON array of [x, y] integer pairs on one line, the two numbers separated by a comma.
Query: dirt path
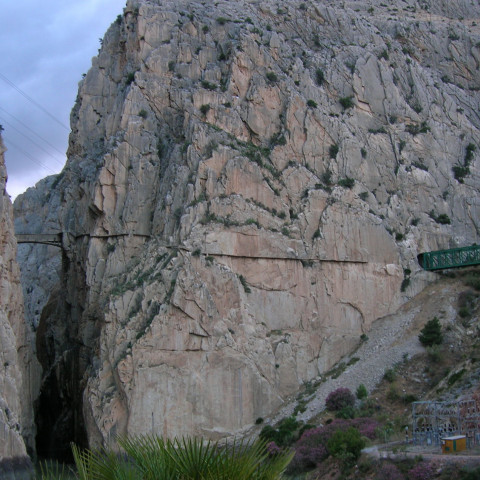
[[432, 454], [389, 340]]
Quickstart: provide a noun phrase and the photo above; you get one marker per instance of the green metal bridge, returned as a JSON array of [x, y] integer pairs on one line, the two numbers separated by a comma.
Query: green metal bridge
[[452, 258]]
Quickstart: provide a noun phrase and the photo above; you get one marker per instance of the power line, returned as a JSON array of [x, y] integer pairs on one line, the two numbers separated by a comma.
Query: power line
[[34, 142], [30, 99], [33, 131], [46, 167]]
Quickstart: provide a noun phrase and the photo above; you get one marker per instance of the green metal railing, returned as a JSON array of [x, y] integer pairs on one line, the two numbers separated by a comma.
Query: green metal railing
[[454, 257]]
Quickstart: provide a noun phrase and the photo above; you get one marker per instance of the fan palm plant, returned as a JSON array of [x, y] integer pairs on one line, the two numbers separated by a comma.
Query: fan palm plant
[[149, 457]]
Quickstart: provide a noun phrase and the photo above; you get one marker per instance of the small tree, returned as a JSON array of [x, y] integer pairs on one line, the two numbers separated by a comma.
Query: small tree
[[362, 391], [346, 445], [431, 333], [339, 399]]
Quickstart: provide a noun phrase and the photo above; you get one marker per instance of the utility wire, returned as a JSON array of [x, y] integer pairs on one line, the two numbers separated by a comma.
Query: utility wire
[[32, 131], [34, 142], [30, 99], [46, 167]]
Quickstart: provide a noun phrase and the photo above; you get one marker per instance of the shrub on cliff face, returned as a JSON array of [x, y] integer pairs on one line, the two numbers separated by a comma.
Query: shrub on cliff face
[[431, 333], [340, 399]]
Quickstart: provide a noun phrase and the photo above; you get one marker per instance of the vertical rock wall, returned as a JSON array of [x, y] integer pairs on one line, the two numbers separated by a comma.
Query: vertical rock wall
[[16, 402]]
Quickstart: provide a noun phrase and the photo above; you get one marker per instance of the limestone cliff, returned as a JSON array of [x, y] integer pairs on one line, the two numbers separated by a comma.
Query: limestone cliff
[[15, 400], [248, 187]]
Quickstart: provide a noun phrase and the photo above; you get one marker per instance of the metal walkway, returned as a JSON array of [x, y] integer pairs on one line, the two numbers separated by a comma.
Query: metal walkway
[[454, 257], [44, 238]]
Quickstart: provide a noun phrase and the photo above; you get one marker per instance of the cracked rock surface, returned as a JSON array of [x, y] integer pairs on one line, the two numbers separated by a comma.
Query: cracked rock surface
[[248, 187], [16, 362]]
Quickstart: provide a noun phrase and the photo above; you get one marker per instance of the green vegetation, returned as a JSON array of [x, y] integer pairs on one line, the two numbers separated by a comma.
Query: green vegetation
[[390, 375], [346, 445], [346, 182], [460, 171], [152, 457], [312, 104], [143, 113], [333, 150], [431, 333], [361, 392], [204, 109], [272, 77], [319, 77], [346, 102], [442, 219], [288, 431], [416, 129], [244, 284], [363, 196], [208, 85], [130, 78], [455, 377]]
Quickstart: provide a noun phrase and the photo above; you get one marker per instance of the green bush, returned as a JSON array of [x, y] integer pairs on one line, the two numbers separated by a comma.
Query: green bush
[[390, 375], [130, 78], [271, 77], [346, 445], [361, 391], [285, 435], [443, 219], [346, 182], [333, 150], [346, 413], [346, 102], [431, 333], [312, 104], [208, 85], [204, 109], [244, 283], [319, 77]]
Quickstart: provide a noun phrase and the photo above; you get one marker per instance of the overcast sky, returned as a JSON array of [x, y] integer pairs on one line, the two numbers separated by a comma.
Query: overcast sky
[[45, 46]]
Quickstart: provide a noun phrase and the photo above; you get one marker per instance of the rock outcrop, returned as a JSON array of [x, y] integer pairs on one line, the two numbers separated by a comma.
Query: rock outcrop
[[248, 187], [16, 419]]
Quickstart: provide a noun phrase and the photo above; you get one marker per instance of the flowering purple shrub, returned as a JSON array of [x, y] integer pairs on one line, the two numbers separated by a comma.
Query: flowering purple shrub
[[273, 448], [421, 471], [340, 398], [311, 447], [389, 471], [307, 458], [366, 426]]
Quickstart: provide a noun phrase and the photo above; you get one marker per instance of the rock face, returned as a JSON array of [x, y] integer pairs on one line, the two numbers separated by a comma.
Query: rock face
[[16, 417], [247, 190]]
